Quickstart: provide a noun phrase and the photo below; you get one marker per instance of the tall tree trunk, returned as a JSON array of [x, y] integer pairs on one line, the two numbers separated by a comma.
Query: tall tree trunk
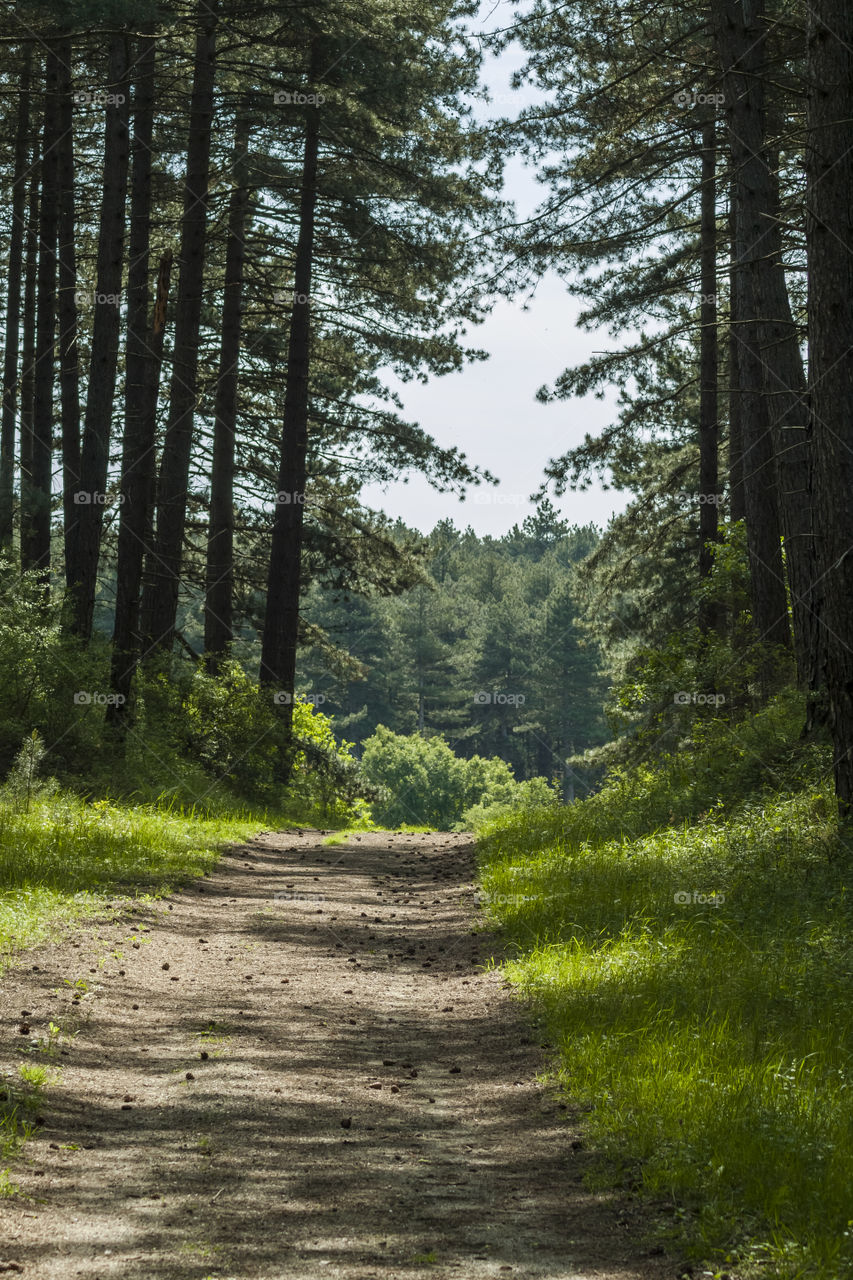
[[709, 615], [745, 49], [785, 388], [13, 305], [737, 508], [36, 488], [28, 348], [281, 620], [142, 363], [163, 568], [69, 371], [218, 608], [829, 232], [739, 48], [97, 427]]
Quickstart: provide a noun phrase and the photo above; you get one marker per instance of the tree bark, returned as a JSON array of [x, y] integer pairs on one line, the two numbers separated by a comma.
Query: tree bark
[[829, 234], [218, 609], [69, 371], [28, 348], [781, 362], [13, 305], [163, 568], [85, 541], [37, 485], [142, 363], [737, 508], [281, 621], [740, 52], [786, 391], [709, 614]]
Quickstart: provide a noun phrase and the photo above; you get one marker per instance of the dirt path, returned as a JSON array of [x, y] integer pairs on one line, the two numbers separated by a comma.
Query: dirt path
[[325, 1085]]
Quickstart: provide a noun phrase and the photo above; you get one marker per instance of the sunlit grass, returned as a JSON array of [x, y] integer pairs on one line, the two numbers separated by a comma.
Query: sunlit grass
[[696, 982], [20, 1100], [66, 858]]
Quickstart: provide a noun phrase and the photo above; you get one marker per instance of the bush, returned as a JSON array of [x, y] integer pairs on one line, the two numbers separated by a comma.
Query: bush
[[192, 738], [45, 679], [424, 783]]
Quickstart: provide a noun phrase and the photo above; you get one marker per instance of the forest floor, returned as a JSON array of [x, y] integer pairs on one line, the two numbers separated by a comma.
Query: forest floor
[[329, 1083]]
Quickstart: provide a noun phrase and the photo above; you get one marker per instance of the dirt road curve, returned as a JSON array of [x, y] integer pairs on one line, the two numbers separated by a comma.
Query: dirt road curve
[[303, 1087]]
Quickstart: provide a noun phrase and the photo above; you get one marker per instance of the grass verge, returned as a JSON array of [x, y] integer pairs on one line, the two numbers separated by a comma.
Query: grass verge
[[696, 982], [64, 858]]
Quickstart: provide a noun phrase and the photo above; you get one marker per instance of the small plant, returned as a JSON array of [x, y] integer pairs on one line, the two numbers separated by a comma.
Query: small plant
[[33, 1075], [23, 781]]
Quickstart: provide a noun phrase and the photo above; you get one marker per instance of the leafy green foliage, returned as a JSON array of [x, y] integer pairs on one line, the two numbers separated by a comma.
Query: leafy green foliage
[[425, 783], [193, 739]]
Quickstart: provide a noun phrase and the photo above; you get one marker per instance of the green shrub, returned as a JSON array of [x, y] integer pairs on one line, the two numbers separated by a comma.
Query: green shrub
[[424, 783]]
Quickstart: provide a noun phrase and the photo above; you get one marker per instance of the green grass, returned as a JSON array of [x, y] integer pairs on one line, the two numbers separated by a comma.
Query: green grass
[[710, 1038], [20, 1100], [66, 859]]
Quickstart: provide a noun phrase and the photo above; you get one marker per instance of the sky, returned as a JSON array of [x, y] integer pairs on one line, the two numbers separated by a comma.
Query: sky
[[488, 409]]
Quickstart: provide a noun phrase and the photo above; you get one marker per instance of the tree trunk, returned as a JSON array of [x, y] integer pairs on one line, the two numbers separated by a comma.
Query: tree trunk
[[281, 621], [13, 306], [69, 372], [95, 454], [709, 614], [785, 388], [28, 349], [829, 232], [218, 608], [739, 48], [142, 363], [163, 568], [782, 366], [737, 509], [36, 487]]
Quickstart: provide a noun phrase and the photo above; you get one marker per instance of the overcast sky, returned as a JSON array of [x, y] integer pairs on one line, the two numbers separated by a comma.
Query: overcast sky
[[488, 410]]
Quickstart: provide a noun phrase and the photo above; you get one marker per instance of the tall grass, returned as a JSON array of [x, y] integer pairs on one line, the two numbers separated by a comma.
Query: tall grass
[[696, 981], [64, 857]]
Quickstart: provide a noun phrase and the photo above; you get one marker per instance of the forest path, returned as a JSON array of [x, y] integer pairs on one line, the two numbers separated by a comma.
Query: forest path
[[362, 999]]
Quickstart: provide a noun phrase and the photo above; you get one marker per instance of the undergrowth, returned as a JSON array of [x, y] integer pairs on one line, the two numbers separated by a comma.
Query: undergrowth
[[684, 937]]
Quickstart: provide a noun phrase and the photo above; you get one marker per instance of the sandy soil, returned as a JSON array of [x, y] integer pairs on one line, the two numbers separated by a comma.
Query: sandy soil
[[301, 1067]]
